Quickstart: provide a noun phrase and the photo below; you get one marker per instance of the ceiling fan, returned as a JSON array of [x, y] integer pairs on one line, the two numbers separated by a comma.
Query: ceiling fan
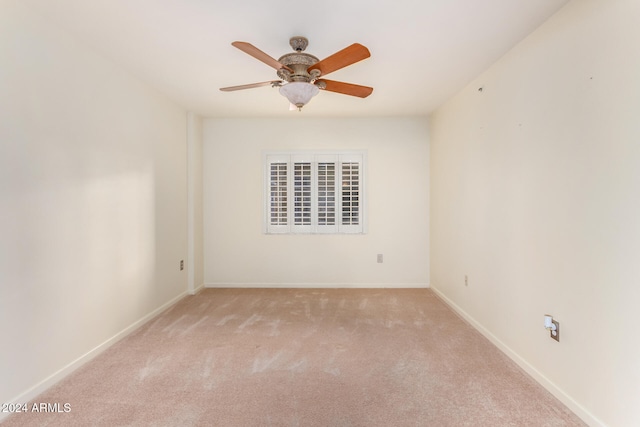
[[300, 73]]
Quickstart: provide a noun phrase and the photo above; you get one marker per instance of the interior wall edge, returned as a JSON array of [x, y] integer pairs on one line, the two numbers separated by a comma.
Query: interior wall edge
[[197, 289], [550, 386]]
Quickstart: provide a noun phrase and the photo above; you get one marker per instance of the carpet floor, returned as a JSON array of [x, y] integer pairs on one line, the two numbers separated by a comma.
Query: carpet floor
[[302, 357]]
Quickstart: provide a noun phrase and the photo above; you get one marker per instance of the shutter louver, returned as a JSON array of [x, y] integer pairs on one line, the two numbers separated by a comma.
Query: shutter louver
[[302, 193], [326, 194], [350, 193], [278, 194]]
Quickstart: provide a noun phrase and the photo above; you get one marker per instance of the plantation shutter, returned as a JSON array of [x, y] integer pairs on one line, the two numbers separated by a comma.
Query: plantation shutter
[[326, 193], [302, 194], [314, 193], [350, 194], [326, 197], [278, 190]]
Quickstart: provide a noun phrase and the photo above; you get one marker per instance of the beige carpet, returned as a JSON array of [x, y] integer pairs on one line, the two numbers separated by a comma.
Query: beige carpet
[[292, 357]]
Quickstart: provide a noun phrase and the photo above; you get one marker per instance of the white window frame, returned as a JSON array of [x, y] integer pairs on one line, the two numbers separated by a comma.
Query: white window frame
[[305, 219]]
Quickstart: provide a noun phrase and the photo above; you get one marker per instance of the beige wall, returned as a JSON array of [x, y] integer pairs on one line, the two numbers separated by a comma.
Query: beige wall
[[237, 253], [93, 202], [535, 196]]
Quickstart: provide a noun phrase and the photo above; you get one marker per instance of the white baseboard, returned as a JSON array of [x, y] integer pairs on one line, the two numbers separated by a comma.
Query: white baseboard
[[574, 406], [39, 388], [196, 290], [318, 285]]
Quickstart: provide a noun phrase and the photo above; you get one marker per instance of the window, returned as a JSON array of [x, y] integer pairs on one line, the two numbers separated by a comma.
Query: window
[[314, 192]]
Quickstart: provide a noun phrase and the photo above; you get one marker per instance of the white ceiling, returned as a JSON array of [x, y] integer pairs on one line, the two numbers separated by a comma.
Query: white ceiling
[[422, 51]]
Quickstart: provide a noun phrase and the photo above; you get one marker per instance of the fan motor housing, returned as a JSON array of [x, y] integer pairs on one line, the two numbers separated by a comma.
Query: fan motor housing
[[299, 62]]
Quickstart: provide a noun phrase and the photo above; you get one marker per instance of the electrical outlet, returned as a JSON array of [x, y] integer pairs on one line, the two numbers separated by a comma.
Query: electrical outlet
[[553, 326], [181, 264], [379, 258], [556, 334]]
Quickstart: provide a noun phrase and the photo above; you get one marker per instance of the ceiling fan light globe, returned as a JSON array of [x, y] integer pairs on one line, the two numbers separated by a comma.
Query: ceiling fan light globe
[[299, 93]]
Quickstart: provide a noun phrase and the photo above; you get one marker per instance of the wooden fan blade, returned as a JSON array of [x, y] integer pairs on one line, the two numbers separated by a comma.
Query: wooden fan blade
[[347, 88], [250, 86], [347, 56], [250, 49]]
